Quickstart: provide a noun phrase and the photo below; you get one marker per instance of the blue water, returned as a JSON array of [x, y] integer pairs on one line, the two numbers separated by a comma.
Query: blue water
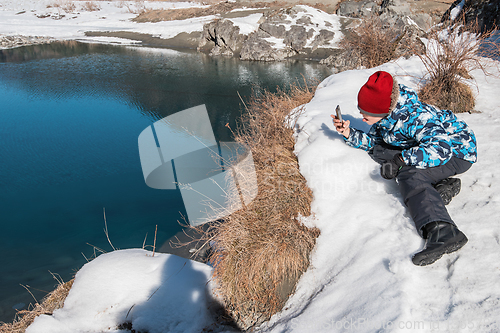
[[70, 116]]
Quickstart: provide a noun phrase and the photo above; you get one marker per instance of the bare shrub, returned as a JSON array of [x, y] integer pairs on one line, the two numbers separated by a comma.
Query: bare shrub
[[451, 95], [140, 7], [67, 6], [91, 6], [219, 7], [53, 301], [261, 250], [372, 43], [451, 54]]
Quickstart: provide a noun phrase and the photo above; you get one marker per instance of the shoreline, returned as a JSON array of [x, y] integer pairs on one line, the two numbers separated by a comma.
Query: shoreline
[[181, 41], [291, 29]]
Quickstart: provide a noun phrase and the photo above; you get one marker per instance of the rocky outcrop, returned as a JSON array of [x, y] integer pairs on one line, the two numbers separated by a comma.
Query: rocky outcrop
[[296, 38], [323, 38], [359, 9], [388, 8], [485, 12], [299, 32], [405, 44], [221, 37], [257, 48], [282, 33]]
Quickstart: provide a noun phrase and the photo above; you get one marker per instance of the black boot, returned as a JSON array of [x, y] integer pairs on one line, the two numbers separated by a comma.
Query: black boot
[[448, 188], [441, 238]]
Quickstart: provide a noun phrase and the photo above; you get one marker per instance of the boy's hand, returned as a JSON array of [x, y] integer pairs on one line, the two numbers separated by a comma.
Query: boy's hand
[[341, 126]]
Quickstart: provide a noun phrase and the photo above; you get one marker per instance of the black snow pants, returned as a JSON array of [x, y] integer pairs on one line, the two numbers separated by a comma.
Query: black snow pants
[[416, 185]]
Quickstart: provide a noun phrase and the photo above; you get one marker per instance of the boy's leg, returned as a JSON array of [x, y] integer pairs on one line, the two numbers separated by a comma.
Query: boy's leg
[[416, 185], [383, 153], [423, 201]]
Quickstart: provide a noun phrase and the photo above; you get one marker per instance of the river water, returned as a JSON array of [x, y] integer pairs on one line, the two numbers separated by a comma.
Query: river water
[[70, 117]]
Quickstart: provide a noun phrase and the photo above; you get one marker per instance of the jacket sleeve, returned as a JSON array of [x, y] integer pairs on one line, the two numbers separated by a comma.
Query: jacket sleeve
[[434, 145], [361, 140]]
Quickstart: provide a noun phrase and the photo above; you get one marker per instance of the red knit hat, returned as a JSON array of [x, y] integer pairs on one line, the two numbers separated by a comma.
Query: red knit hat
[[374, 97]]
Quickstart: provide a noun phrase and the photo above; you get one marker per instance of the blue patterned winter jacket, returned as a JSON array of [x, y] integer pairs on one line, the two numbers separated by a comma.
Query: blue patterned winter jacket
[[427, 136]]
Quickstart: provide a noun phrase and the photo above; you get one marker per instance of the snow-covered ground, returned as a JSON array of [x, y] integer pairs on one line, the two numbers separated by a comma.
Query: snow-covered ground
[[361, 277], [45, 18], [164, 293], [70, 19]]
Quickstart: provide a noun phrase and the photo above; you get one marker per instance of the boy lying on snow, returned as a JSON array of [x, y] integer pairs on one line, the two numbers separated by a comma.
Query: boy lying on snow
[[420, 146]]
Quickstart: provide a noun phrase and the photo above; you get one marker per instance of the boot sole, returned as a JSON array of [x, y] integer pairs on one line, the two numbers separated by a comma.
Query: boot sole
[[449, 189], [432, 257]]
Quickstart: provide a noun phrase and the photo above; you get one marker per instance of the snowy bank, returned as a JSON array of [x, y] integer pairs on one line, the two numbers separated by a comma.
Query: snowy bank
[[164, 293], [361, 277]]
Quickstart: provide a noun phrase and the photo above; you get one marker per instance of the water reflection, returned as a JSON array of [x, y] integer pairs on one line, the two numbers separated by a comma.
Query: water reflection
[[53, 50]]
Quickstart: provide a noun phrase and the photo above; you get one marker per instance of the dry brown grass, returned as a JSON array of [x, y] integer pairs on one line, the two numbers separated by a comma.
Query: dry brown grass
[[221, 7], [263, 249], [91, 6], [53, 301], [450, 56], [66, 5], [452, 95], [186, 13], [373, 43]]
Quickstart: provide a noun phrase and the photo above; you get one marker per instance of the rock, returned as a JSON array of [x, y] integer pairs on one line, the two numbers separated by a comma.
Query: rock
[[395, 7], [296, 37], [358, 9], [221, 37], [322, 38], [341, 61], [271, 30], [282, 15], [388, 9], [423, 20], [272, 41], [304, 20], [256, 48], [486, 12]]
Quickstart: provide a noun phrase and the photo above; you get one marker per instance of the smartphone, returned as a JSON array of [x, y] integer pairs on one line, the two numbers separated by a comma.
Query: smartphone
[[339, 114]]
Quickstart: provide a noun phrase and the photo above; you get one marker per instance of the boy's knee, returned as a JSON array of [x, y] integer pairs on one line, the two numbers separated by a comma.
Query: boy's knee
[[383, 153]]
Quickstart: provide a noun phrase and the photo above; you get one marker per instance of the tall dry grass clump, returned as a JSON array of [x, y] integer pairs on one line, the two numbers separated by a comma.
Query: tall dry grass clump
[[53, 301], [261, 250], [451, 54], [372, 43], [91, 6]]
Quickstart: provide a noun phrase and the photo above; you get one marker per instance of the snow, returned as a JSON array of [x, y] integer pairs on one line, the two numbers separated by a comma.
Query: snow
[[361, 277], [320, 20], [277, 43], [23, 18], [456, 10], [164, 293], [247, 24]]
